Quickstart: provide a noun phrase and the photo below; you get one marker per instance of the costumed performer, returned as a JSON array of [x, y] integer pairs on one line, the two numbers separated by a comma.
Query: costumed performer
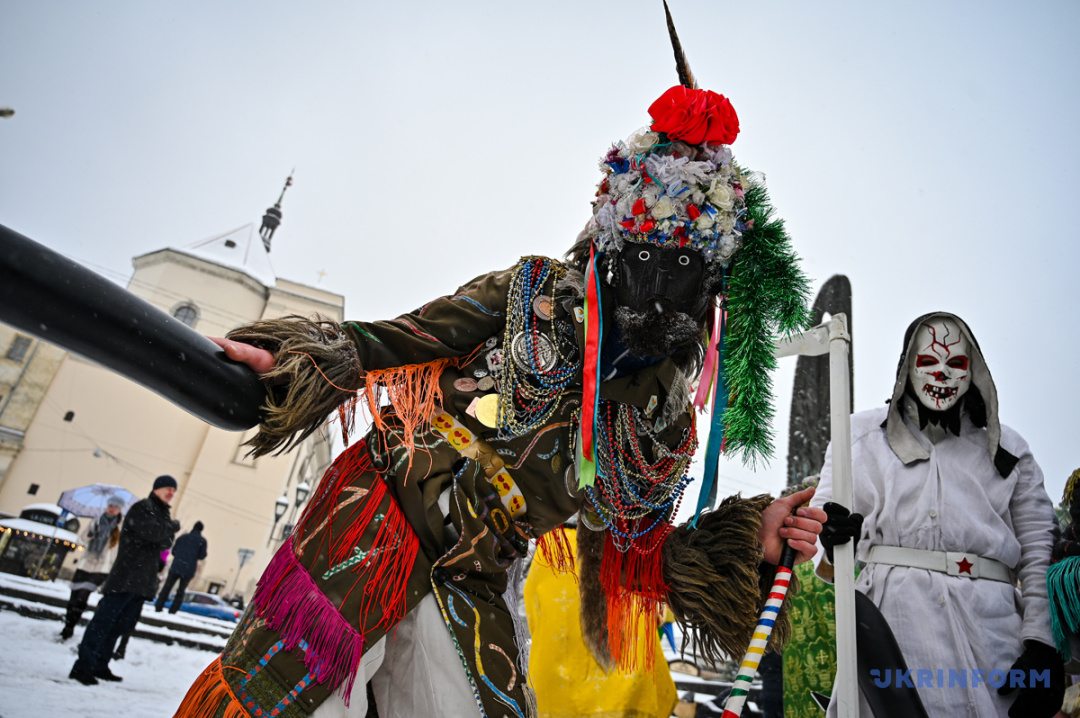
[[953, 514], [527, 396], [1063, 586]]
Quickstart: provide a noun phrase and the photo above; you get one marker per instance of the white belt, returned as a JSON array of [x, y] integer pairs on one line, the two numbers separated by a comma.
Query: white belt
[[954, 563]]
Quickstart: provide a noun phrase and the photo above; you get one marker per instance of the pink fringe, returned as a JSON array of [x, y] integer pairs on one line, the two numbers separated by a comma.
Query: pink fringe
[[288, 599]]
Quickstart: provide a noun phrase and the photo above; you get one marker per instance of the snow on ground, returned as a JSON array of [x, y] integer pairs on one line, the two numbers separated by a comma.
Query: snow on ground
[[34, 669], [62, 590]]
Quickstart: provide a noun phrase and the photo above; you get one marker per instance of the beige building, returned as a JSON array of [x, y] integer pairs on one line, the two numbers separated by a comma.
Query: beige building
[[90, 425], [27, 367]]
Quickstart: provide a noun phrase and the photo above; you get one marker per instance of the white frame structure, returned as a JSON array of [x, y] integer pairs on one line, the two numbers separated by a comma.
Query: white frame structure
[[832, 338]]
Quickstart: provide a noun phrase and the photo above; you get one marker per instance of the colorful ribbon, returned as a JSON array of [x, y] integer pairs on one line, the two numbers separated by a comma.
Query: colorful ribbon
[[718, 382], [590, 395]]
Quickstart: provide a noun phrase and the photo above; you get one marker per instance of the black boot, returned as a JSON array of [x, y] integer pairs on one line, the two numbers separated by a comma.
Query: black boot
[[122, 648], [84, 677], [106, 675]]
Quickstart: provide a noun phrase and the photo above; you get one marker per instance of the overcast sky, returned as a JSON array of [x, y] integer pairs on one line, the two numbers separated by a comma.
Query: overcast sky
[[928, 150]]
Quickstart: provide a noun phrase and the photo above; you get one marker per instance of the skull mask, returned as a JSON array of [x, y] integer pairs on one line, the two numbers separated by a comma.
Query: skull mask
[[938, 367]]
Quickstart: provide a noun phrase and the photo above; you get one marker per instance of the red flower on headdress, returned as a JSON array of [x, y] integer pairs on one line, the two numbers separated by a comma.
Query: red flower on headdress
[[695, 116]]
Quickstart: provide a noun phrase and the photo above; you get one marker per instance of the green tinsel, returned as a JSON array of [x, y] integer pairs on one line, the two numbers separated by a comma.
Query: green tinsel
[[767, 297]]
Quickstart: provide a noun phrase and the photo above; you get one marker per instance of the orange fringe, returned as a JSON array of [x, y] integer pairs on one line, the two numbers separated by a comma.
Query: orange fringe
[[554, 551], [633, 583], [204, 698], [414, 392]]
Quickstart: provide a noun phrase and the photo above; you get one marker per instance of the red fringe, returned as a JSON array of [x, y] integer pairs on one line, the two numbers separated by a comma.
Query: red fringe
[[553, 550], [289, 599], [387, 570], [349, 465], [341, 546], [204, 698], [633, 583]]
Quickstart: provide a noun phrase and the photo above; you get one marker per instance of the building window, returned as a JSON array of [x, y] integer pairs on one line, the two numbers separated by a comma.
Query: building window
[[241, 456], [187, 313], [17, 351], [33, 489]]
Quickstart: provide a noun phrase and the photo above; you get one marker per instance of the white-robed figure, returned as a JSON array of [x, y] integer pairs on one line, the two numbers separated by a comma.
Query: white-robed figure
[[956, 531]]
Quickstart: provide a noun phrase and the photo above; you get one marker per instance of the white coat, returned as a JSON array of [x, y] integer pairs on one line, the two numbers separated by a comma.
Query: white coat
[[953, 501]]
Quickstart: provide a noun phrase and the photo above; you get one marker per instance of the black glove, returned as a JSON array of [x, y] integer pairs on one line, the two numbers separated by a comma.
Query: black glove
[[1038, 700], [1067, 545], [1064, 549], [841, 526]]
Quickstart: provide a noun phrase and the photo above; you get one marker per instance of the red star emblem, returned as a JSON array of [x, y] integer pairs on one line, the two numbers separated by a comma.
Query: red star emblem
[[965, 565]]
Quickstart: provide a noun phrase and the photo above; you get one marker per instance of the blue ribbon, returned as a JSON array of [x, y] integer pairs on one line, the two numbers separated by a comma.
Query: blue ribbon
[[707, 497]]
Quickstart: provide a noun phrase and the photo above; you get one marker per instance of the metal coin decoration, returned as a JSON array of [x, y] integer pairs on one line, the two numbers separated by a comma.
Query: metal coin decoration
[[544, 356], [480, 373], [487, 410], [591, 520], [571, 481], [495, 359], [465, 384], [556, 462], [485, 384], [542, 307]]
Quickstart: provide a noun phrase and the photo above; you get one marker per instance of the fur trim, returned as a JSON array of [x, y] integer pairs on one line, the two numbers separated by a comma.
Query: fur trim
[[590, 556], [716, 590], [316, 370]]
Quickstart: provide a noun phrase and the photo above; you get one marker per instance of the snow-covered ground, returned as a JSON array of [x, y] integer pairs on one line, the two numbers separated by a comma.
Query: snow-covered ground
[[34, 669]]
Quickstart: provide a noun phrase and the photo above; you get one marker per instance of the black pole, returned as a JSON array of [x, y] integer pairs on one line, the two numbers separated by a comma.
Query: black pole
[[59, 301]]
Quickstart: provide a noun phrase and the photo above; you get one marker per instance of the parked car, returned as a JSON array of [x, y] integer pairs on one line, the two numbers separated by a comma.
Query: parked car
[[207, 604]]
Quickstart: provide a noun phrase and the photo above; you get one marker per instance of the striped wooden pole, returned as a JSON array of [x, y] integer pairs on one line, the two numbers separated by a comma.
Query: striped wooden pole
[[748, 668]]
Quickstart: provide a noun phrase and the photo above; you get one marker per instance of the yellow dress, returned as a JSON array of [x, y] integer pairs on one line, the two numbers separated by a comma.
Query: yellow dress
[[567, 679]]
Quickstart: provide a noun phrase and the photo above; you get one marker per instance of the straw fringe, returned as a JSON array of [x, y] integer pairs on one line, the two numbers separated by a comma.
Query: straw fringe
[[316, 370], [594, 622], [716, 586]]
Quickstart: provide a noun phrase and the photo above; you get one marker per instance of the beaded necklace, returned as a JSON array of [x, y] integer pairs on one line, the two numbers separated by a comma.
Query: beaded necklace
[[629, 488], [532, 387]]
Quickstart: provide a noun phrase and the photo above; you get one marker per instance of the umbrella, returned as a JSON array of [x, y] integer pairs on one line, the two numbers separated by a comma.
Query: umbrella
[[91, 501]]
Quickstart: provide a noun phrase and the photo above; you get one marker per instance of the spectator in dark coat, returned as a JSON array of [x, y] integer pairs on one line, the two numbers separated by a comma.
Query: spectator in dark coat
[[147, 531], [188, 551]]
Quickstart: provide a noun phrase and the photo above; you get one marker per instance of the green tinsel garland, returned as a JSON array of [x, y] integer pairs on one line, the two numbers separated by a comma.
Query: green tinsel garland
[[767, 296]]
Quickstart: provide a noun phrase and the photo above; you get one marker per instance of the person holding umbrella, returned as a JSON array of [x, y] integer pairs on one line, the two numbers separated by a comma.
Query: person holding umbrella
[[147, 531], [101, 538]]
